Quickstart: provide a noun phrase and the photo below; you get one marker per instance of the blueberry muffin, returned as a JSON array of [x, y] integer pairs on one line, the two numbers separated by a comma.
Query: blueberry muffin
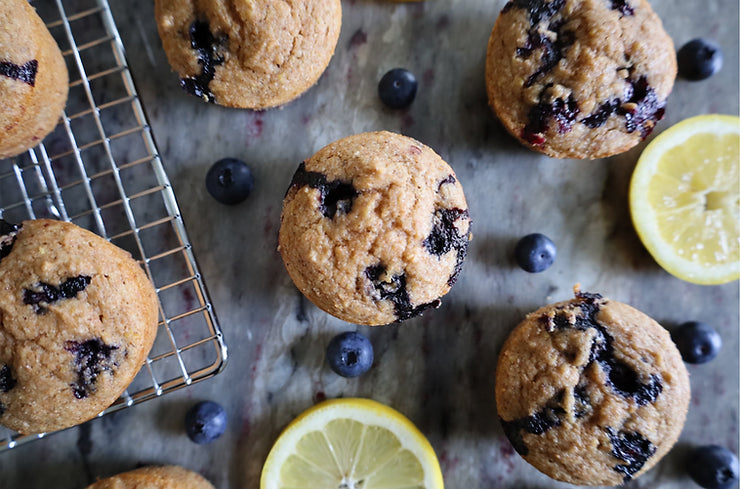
[[374, 228], [159, 477], [77, 319], [579, 78], [33, 78], [253, 55], [591, 391]]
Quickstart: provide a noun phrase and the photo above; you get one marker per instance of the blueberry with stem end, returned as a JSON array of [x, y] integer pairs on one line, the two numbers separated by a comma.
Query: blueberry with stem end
[[205, 422], [350, 354], [699, 59], [535, 253], [713, 467], [397, 88], [698, 342], [229, 181]]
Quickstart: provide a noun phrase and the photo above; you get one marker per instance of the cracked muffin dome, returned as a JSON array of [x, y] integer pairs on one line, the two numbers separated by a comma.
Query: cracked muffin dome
[[591, 391], [33, 78], [254, 55], [374, 228], [78, 316], [154, 477], [579, 78]]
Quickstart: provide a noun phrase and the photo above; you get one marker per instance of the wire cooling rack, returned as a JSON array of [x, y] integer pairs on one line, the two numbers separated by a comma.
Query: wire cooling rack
[[100, 169]]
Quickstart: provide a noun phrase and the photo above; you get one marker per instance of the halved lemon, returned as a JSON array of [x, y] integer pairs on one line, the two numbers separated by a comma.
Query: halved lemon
[[685, 199], [351, 444]]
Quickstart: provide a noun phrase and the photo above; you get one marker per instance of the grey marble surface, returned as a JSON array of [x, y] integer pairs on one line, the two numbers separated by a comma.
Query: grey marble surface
[[437, 369]]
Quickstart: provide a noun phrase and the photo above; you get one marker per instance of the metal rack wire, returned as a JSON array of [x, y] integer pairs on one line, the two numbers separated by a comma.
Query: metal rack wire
[[100, 169]]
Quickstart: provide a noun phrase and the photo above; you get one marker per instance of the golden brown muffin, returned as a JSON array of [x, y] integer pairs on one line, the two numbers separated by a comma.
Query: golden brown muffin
[[77, 318], [374, 228], [253, 55], [164, 477], [33, 79], [579, 78], [591, 391]]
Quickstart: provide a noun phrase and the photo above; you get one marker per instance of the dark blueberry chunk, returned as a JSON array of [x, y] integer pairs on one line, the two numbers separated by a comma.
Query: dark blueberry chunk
[[397, 88], [582, 401], [7, 381], [599, 117], [229, 181], [538, 10], [698, 342], [45, 294], [350, 354], [713, 467], [699, 59], [445, 237], [626, 382], [91, 358], [552, 51], [2, 408], [334, 196], [538, 423], [8, 233], [394, 290], [205, 422], [535, 252], [563, 111], [207, 47], [642, 108], [623, 7], [631, 448], [449, 179], [25, 73]]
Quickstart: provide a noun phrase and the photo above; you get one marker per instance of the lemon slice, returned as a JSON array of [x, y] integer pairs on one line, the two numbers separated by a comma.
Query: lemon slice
[[351, 444], [685, 199]]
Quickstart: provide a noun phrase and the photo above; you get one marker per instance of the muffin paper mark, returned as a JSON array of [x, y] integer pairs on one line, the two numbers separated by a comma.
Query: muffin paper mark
[[25, 73], [46, 294], [7, 381], [622, 378], [538, 423], [8, 233], [207, 48], [632, 448], [394, 289], [623, 7], [334, 196], [91, 358], [445, 236]]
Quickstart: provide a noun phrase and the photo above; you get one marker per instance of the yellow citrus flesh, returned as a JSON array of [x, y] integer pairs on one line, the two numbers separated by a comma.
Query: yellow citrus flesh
[[351, 444], [685, 199]]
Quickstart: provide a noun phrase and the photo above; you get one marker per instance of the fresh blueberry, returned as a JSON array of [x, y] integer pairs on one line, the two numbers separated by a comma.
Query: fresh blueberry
[[699, 59], [698, 342], [713, 467], [350, 354], [229, 181], [205, 422], [397, 88], [535, 252]]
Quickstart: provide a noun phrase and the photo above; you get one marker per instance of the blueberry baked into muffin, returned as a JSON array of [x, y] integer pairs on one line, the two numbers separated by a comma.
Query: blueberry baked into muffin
[[77, 319], [591, 391], [155, 477], [579, 78], [374, 228], [254, 55], [33, 78]]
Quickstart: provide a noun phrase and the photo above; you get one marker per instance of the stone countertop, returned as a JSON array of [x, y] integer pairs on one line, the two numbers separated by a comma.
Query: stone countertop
[[437, 369]]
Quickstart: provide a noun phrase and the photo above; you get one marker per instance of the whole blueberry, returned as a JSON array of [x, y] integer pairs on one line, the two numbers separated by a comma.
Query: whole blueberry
[[397, 88], [535, 252], [350, 354], [699, 59], [698, 342], [713, 467], [205, 422], [229, 181]]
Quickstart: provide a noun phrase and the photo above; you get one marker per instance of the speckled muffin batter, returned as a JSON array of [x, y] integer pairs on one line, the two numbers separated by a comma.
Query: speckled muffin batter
[[374, 228], [159, 477], [33, 78], [77, 319], [591, 391], [579, 78], [254, 55]]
